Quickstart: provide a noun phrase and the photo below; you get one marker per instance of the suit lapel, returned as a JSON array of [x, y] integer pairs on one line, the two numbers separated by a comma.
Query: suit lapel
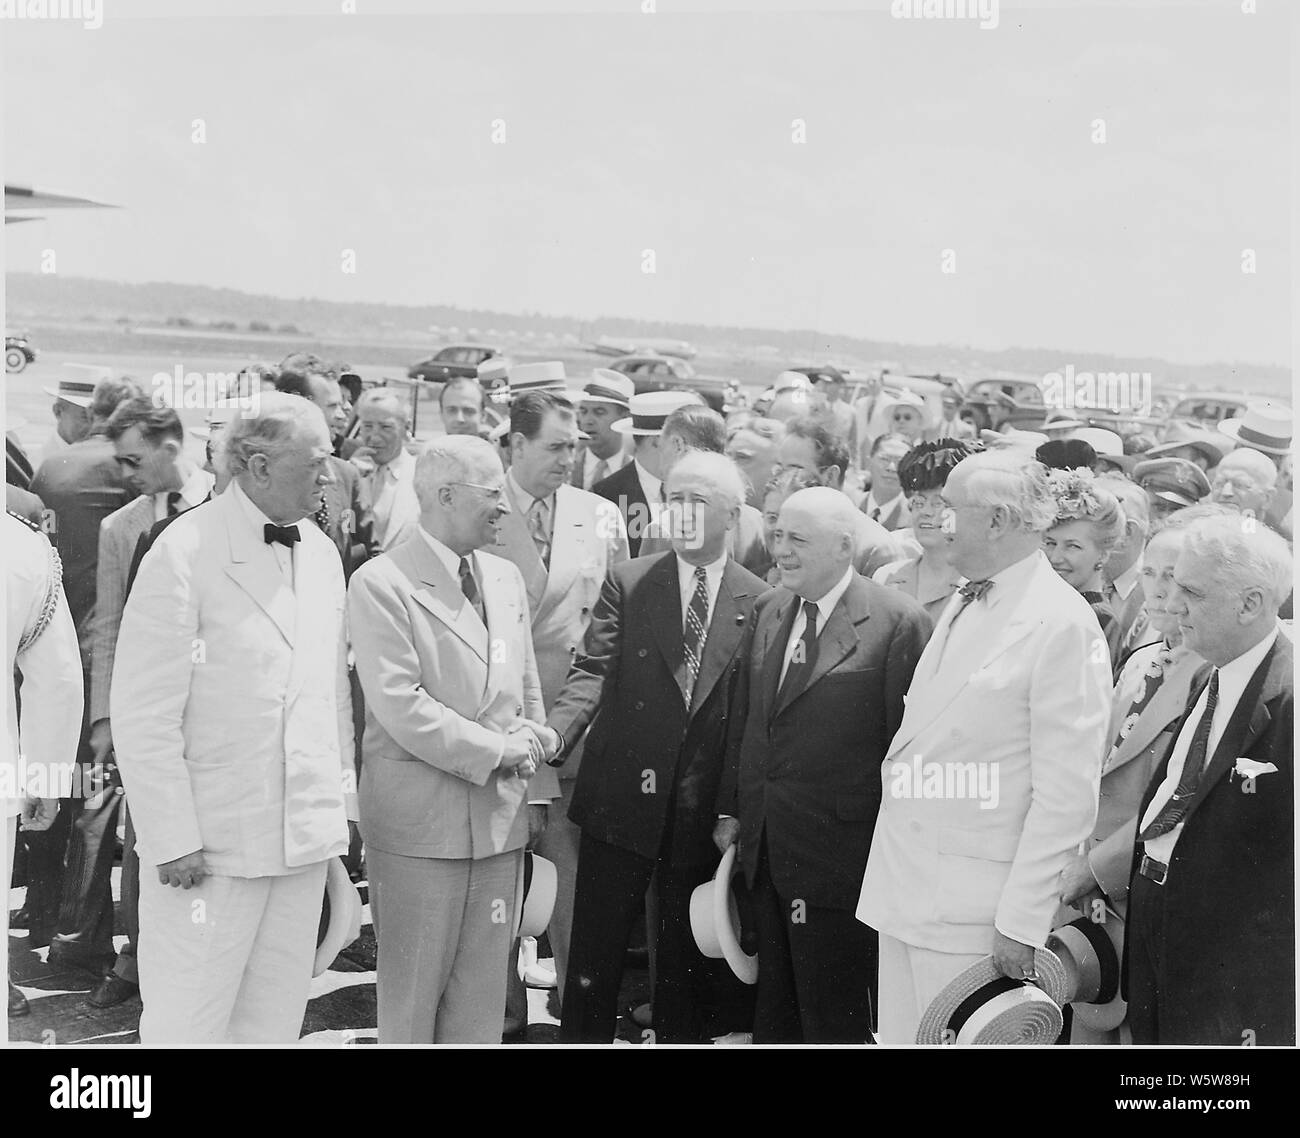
[[723, 637], [667, 608], [442, 597], [567, 532], [777, 623], [1166, 707], [516, 544], [1249, 719], [836, 641], [253, 567]]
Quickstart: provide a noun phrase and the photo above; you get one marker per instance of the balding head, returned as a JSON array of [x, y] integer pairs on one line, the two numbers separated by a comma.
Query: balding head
[[460, 483], [704, 492], [1246, 480], [815, 540]]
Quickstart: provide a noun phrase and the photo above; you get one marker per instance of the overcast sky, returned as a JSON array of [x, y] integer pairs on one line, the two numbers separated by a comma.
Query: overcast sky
[[673, 133]]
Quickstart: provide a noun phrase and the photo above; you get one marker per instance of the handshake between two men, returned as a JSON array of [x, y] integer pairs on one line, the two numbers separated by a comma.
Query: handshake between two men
[[528, 745]]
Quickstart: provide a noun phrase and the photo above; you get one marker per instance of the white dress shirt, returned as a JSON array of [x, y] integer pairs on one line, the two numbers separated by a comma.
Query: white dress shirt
[[712, 581], [825, 607], [197, 487], [523, 501], [885, 508], [257, 519], [616, 461], [1233, 678], [1127, 581], [1008, 585], [383, 483], [450, 558]]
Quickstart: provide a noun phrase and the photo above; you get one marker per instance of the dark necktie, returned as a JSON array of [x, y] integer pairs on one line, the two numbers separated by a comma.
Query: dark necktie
[[173, 503], [694, 634], [469, 587], [285, 535], [1175, 809], [803, 659]]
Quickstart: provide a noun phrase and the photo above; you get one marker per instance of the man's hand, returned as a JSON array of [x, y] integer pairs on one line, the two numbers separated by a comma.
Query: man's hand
[[363, 458], [537, 817], [1077, 880], [101, 740], [39, 814], [548, 737], [522, 754], [1013, 959], [725, 833], [185, 871]]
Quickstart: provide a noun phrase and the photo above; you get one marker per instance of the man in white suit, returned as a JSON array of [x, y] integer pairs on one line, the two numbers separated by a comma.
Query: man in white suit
[[232, 721], [441, 635], [990, 783], [563, 541], [387, 466]]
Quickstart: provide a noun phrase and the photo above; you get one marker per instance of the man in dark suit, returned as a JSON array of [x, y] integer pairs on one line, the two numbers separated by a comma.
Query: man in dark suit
[[653, 683], [637, 489], [80, 485], [1210, 951], [345, 515], [822, 672]]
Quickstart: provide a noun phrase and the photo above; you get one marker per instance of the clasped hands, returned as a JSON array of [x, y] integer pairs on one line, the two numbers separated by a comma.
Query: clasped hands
[[528, 745]]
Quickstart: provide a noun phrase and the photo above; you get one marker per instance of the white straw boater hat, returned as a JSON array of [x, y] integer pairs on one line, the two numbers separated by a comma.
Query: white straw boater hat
[[1091, 952], [1264, 426], [605, 386], [981, 1006], [715, 921], [538, 377], [77, 384], [648, 411], [341, 919], [221, 413], [534, 894]]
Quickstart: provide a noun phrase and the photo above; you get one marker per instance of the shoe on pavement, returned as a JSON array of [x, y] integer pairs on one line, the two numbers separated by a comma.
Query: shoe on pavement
[[18, 1005], [533, 972], [111, 991]]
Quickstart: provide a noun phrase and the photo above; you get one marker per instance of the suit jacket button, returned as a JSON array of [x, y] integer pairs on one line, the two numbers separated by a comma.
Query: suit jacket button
[[641, 653], [519, 709], [640, 705]]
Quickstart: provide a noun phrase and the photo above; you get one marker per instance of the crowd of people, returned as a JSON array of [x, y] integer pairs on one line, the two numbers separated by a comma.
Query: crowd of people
[[970, 737]]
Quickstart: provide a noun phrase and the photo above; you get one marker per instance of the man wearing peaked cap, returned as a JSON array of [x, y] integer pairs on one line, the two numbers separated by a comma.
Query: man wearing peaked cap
[[602, 401], [1171, 484], [637, 489]]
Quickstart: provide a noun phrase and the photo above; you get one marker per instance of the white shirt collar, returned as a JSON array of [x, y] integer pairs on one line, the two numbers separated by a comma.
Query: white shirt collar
[[1127, 581], [250, 509], [195, 489], [522, 498], [450, 558], [712, 572], [827, 604], [651, 486], [1235, 674], [1014, 579], [615, 461], [402, 466], [884, 507]]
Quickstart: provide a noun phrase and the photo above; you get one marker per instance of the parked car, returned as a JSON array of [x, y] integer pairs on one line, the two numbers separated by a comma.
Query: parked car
[[1209, 408], [454, 361], [664, 373], [18, 352]]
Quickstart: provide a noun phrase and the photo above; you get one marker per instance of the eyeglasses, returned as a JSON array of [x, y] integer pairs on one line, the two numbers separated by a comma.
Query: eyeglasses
[[497, 492]]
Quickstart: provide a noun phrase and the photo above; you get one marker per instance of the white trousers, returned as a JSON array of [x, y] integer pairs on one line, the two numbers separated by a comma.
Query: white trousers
[[910, 978], [228, 961]]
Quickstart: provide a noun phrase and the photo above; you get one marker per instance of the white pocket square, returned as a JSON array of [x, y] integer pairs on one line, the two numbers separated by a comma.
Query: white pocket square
[[1249, 768]]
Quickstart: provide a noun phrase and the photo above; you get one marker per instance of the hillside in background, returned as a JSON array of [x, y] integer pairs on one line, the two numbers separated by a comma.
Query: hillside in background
[[407, 331]]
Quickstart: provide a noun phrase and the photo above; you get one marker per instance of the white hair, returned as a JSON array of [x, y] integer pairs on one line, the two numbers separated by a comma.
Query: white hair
[[1255, 463], [831, 507], [268, 427], [1014, 480], [384, 395], [453, 458], [1245, 554], [717, 469]]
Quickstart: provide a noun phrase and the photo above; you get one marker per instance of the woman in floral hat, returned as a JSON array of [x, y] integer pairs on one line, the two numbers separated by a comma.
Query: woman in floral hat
[[1089, 522]]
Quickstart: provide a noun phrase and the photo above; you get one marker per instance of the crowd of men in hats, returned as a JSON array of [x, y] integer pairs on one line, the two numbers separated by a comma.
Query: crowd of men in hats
[[894, 734]]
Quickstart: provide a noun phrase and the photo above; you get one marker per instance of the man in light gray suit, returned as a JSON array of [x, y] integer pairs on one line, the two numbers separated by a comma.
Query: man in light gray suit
[[563, 540], [445, 657]]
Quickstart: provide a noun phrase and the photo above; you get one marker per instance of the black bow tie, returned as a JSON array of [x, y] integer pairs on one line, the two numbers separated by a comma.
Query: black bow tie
[[285, 535], [974, 590]]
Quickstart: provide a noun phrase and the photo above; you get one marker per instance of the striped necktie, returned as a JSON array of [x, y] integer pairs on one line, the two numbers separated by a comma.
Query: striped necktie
[[1173, 811], [694, 634]]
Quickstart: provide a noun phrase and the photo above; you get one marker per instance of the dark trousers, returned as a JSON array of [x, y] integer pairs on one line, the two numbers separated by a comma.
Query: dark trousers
[[85, 925], [816, 969], [611, 885], [1145, 929]]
